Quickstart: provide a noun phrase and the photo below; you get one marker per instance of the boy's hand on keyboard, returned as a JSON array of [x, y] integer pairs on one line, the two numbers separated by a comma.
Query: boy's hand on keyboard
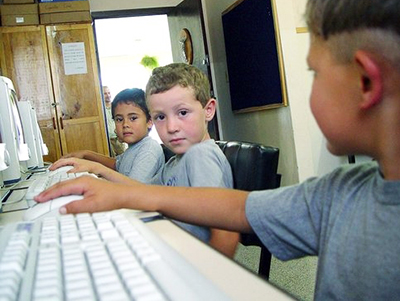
[[99, 195], [79, 165], [82, 165]]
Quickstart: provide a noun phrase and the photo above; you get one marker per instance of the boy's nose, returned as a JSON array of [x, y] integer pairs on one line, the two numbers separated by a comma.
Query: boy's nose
[[171, 125], [125, 123]]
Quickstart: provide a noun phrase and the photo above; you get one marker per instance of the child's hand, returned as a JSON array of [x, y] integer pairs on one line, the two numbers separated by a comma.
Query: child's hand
[[99, 195], [79, 165]]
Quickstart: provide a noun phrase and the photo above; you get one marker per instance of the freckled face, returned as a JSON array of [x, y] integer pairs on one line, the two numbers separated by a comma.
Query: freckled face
[[179, 118], [130, 123], [333, 98]]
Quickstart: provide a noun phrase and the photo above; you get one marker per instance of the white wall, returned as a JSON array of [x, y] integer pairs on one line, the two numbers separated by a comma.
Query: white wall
[[292, 129]]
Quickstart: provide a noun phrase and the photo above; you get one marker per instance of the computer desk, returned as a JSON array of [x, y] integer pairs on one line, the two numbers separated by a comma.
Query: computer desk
[[236, 281]]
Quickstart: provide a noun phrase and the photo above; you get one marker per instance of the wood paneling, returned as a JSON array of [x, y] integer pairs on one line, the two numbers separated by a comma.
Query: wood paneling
[[77, 95], [68, 107], [25, 61]]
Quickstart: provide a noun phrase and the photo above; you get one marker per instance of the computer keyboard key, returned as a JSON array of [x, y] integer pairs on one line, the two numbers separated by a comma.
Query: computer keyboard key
[[50, 178]]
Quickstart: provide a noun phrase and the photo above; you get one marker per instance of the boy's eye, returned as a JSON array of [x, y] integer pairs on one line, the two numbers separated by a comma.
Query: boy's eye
[[133, 118], [159, 117], [183, 112], [118, 119]]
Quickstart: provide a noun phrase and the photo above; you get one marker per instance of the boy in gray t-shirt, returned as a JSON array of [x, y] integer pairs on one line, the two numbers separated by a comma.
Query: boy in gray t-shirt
[[142, 159], [180, 104]]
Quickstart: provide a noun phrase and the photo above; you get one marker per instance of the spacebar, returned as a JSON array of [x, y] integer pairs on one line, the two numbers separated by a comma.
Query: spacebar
[[190, 285], [171, 283]]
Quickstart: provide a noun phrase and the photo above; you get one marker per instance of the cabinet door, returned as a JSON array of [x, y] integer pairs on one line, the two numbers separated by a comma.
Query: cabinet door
[[76, 88], [24, 59]]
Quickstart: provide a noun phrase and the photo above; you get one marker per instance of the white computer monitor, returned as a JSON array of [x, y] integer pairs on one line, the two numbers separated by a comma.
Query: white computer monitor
[[12, 132], [41, 147], [4, 157], [4, 161], [25, 110], [33, 135]]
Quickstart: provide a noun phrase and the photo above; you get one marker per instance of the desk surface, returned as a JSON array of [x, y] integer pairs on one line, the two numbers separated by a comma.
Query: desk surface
[[233, 279], [236, 281]]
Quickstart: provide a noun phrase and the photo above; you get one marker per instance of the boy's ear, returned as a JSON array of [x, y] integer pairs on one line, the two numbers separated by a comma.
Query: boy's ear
[[210, 109], [371, 79], [149, 124]]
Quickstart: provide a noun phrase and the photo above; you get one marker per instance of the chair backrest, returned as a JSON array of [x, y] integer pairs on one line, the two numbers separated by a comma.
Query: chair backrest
[[254, 166], [167, 152]]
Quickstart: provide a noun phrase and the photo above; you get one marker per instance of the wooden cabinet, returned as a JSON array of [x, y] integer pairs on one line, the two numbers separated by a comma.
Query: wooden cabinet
[[55, 67]]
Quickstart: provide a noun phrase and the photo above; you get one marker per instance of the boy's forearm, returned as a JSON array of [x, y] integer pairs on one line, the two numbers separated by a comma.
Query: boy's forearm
[[96, 157], [224, 241], [211, 207], [113, 176]]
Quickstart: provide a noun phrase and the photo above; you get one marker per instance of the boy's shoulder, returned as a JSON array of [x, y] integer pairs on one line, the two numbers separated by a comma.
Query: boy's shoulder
[[147, 140], [353, 171], [206, 147], [206, 153], [145, 145]]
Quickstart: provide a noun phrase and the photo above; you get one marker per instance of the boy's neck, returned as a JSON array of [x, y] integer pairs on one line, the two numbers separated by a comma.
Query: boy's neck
[[390, 166], [389, 153]]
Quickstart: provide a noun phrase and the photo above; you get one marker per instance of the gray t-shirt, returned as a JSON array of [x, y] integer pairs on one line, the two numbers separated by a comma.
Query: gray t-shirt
[[350, 218], [203, 165], [142, 160]]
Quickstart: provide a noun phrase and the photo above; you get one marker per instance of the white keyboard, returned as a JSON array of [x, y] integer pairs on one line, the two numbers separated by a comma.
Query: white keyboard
[[104, 256], [44, 181]]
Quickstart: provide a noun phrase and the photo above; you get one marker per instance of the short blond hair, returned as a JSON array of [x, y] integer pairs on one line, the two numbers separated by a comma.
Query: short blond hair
[[185, 75]]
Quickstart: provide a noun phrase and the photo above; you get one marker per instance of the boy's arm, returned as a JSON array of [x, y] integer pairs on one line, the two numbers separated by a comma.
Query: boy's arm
[[82, 165], [93, 156], [205, 169], [212, 207], [224, 241]]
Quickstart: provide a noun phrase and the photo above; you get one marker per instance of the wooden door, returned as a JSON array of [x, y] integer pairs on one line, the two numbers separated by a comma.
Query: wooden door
[[188, 15], [24, 59], [76, 88]]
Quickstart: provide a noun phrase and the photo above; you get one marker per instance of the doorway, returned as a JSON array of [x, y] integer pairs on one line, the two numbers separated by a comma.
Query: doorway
[[123, 42]]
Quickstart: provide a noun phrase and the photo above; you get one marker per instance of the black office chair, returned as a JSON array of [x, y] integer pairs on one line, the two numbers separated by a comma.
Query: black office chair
[[254, 167], [167, 152]]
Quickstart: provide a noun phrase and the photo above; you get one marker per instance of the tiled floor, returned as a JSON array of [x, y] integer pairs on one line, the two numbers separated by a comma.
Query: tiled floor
[[296, 276]]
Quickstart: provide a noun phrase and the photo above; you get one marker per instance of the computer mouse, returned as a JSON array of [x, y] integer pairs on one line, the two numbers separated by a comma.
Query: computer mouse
[[50, 208]]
